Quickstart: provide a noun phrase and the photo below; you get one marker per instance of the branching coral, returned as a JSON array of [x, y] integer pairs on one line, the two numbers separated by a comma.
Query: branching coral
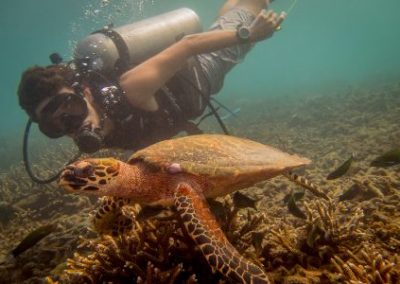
[[325, 231], [155, 250], [368, 266], [327, 224]]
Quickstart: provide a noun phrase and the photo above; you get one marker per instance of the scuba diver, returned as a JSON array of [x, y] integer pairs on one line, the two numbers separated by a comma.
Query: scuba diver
[[135, 85]]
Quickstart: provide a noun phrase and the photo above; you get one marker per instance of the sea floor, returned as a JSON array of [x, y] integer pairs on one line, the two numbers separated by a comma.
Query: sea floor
[[352, 238]]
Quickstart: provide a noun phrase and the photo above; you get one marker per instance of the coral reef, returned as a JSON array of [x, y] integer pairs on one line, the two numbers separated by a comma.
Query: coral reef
[[354, 237], [156, 250], [368, 267], [26, 206]]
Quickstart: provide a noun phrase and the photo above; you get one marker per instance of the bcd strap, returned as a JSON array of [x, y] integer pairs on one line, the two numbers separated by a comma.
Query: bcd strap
[[123, 62]]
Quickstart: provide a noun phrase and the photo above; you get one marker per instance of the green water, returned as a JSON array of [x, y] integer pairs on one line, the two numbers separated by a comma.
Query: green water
[[324, 45]]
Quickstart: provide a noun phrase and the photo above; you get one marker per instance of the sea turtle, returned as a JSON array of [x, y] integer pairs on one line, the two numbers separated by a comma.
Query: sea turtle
[[184, 172]]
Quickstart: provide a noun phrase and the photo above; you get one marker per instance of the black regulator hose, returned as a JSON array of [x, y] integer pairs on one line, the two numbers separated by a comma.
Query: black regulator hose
[[26, 160]]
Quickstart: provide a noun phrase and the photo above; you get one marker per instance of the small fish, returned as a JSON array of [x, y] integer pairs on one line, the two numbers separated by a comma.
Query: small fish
[[242, 201], [294, 209], [390, 158], [218, 209], [215, 205], [149, 211], [314, 235], [297, 196], [342, 169], [33, 238], [350, 193], [257, 239]]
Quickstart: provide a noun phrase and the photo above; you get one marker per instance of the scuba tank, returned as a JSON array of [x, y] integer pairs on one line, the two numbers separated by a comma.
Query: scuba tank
[[114, 50]]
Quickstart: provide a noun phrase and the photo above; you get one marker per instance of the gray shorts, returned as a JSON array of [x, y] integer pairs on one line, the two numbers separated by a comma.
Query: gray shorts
[[217, 64]]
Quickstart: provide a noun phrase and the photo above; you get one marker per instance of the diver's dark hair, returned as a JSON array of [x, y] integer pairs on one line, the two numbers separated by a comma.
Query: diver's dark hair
[[38, 83]]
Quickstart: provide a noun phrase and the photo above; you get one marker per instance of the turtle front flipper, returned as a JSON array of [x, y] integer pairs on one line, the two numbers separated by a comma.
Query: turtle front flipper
[[108, 217], [202, 226]]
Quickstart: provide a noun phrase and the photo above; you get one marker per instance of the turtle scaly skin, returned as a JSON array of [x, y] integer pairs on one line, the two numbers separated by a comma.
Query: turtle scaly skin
[[184, 172]]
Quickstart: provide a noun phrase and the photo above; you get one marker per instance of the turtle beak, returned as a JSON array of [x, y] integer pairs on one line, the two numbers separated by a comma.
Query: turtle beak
[[70, 181]]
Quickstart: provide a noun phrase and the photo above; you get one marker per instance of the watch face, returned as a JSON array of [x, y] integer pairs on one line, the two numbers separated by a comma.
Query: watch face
[[244, 33]]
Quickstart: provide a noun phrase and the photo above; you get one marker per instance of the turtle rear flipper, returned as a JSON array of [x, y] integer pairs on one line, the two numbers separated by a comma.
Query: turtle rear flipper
[[203, 228]]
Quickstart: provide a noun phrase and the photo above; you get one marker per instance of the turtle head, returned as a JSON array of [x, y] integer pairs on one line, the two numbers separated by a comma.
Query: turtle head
[[91, 176]]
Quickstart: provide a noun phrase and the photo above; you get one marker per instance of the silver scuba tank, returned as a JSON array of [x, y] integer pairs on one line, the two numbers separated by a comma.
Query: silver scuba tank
[[116, 49]]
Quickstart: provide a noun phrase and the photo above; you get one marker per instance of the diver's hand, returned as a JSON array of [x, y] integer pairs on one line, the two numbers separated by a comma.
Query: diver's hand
[[265, 24]]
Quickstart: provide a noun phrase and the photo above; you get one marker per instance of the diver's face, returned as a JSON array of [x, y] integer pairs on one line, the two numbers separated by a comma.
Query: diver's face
[[67, 113], [92, 120]]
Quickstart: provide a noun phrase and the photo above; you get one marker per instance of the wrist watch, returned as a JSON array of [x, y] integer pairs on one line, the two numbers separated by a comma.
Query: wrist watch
[[243, 34]]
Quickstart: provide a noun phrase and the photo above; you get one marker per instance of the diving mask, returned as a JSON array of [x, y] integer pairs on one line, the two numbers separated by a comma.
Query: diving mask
[[62, 115]]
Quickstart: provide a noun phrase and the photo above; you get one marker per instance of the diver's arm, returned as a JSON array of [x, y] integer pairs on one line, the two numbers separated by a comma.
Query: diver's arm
[[141, 83]]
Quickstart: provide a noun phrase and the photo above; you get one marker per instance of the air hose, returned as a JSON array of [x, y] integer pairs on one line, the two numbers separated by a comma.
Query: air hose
[[27, 164]]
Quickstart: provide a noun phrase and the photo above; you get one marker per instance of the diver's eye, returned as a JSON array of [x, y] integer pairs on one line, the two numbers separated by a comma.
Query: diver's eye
[[84, 172]]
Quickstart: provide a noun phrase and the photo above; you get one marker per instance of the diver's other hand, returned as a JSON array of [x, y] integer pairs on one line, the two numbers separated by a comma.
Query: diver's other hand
[[265, 24]]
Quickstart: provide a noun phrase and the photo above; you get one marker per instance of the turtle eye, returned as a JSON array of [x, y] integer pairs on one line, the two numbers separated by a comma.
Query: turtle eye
[[84, 172]]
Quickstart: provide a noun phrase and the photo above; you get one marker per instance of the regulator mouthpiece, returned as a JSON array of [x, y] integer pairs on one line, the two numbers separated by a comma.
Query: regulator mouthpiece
[[89, 141]]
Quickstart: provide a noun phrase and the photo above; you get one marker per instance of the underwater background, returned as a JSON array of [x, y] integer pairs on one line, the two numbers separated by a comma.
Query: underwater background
[[326, 87]]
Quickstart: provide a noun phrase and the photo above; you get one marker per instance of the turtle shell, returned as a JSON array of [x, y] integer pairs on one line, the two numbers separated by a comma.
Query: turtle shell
[[214, 155]]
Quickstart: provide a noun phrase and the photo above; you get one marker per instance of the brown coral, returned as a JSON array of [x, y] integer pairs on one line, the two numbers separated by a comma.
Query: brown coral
[[155, 250], [354, 239]]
